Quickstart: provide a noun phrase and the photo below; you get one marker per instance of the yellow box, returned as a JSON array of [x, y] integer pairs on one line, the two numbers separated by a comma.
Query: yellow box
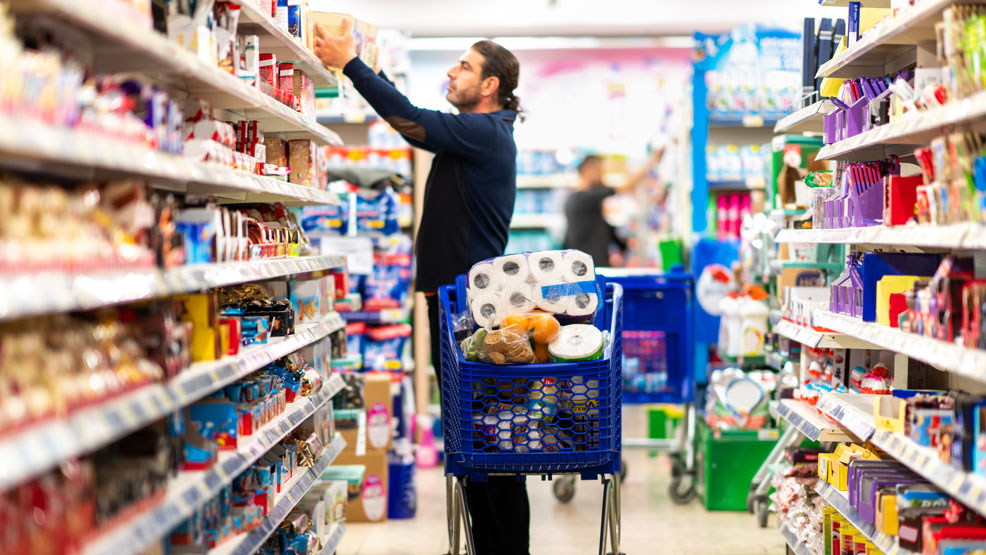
[[824, 462], [890, 413], [888, 285], [204, 343], [886, 513], [839, 475]]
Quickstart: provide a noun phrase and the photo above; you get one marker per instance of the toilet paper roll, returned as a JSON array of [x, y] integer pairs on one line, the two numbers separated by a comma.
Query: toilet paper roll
[[481, 280], [582, 304], [488, 309], [546, 267], [518, 297], [578, 266], [513, 266]]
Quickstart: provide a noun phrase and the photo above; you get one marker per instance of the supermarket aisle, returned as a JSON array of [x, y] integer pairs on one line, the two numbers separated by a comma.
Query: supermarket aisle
[[649, 520]]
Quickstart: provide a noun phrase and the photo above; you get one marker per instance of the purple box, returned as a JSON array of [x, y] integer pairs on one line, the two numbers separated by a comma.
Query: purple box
[[869, 486], [859, 466]]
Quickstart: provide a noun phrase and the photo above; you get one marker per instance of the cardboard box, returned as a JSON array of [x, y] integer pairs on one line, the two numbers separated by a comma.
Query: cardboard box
[[379, 408], [889, 285], [370, 505]]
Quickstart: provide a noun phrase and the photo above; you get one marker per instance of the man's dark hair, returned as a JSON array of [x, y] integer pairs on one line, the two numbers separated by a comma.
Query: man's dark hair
[[501, 63], [590, 159]]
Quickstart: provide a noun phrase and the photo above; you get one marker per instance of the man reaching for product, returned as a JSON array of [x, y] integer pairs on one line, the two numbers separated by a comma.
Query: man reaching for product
[[469, 200]]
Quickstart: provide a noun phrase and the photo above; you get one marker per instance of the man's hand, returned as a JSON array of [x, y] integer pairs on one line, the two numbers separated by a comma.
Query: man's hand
[[335, 50]]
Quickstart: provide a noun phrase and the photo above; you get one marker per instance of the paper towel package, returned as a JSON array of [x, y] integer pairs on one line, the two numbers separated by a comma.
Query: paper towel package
[[562, 283]]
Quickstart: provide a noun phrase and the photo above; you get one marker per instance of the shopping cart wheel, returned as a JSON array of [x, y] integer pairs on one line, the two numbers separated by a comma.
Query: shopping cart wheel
[[682, 489], [564, 488], [761, 511]]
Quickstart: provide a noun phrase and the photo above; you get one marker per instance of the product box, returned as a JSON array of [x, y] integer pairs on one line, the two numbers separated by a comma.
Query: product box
[[889, 413], [379, 407], [370, 505], [338, 485], [890, 285], [306, 298]]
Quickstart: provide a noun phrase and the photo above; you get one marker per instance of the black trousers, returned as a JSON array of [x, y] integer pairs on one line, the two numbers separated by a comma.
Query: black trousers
[[501, 514]]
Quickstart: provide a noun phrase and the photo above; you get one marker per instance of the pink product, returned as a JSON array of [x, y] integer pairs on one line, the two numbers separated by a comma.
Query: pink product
[[722, 217], [268, 70], [286, 77]]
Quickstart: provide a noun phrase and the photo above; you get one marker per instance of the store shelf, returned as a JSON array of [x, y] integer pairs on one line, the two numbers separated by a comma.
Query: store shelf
[[536, 221], [750, 183], [548, 181], [30, 294], [26, 140], [290, 496], [330, 545], [391, 316], [190, 490], [942, 354], [128, 48], [954, 236], [890, 45], [856, 411], [845, 3], [806, 419], [886, 544], [913, 129], [817, 339], [284, 46], [805, 120], [40, 447], [750, 121], [792, 540]]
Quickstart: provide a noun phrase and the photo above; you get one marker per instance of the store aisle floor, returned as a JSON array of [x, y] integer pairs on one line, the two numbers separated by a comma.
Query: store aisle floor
[[651, 523]]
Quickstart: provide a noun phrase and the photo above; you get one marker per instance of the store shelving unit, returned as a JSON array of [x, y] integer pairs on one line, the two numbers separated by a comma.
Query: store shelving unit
[[548, 181], [389, 316], [31, 294], [805, 120], [190, 490], [28, 140], [891, 45], [129, 48], [283, 45], [886, 544], [855, 413], [818, 339], [806, 419], [37, 448], [335, 537], [945, 237], [792, 540], [291, 494], [536, 221], [942, 354]]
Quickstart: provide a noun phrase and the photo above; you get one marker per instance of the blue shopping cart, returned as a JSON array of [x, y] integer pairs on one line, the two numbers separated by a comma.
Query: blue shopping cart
[[532, 419], [658, 364]]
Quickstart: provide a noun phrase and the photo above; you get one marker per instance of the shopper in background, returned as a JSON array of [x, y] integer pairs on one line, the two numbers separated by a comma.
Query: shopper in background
[[469, 200], [588, 230]]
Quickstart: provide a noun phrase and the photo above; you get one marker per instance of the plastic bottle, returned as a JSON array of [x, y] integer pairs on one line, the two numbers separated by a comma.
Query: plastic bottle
[[730, 332], [753, 323], [722, 217]]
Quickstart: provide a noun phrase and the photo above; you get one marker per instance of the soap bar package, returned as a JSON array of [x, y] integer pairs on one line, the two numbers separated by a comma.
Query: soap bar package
[[301, 160]]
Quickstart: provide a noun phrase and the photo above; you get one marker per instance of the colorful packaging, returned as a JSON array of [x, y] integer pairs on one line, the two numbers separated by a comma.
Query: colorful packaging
[[383, 347]]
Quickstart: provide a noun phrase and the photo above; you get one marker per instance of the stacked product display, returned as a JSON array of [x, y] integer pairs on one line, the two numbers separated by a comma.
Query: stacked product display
[[890, 361], [169, 328]]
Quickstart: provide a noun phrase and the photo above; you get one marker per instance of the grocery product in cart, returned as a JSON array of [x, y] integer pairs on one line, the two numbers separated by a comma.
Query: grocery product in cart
[[531, 355]]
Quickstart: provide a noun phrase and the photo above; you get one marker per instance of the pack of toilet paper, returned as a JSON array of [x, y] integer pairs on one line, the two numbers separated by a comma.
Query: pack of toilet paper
[[560, 282]]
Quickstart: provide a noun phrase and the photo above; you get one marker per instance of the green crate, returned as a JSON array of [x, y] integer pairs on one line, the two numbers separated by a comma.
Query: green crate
[[663, 421], [726, 465]]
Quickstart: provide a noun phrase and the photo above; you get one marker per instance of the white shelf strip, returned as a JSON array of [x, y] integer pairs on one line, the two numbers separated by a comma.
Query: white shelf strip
[[885, 543], [954, 236], [942, 354], [792, 540], [145, 50], [35, 293], [334, 540], [190, 490], [867, 57], [806, 420], [290, 496], [805, 120], [916, 128], [40, 447], [29, 139], [855, 411], [284, 46], [818, 339], [548, 181]]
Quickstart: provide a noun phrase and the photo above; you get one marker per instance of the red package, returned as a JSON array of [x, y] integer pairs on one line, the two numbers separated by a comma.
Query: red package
[[268, 69], [285, 78]]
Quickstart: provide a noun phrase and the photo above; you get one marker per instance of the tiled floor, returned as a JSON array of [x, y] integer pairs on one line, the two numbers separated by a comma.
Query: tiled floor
[[651, 523]]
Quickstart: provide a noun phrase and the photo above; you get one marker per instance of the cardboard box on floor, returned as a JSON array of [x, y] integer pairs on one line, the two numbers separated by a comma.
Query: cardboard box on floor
[[379, 412], [371, 504]]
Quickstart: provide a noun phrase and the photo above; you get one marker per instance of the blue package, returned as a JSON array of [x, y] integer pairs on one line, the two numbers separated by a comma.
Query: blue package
[[388, 285], [294, 18], [384, 345], [378, 214], [325, 218]]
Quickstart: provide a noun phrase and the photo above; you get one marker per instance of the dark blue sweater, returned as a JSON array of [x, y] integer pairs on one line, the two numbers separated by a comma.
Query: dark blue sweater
[[469, 197]]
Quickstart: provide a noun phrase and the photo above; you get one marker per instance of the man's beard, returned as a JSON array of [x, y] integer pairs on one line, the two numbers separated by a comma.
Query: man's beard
[[465, 100]]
